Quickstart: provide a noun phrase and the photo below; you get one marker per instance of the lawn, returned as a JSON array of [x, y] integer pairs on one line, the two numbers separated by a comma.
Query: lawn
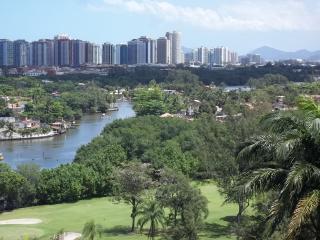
[[112, 216]]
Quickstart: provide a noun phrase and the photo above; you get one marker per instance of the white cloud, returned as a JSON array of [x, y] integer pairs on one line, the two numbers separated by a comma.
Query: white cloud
[[241, 15]]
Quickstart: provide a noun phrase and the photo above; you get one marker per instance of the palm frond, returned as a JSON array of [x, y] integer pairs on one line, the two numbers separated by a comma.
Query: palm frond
[[280, 122], [309, 106], [264, 180], [257, 148], [299, 176], [276, 214], [303, 212]]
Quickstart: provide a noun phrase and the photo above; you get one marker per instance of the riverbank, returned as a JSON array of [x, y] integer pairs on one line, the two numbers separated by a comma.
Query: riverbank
[[17, 136], [53, 151]]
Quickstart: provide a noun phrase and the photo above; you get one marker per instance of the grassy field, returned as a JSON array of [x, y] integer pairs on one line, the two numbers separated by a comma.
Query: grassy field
[[112, 216]]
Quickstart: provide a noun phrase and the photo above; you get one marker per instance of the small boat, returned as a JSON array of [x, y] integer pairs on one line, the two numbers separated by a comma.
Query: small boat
[[1, 157]]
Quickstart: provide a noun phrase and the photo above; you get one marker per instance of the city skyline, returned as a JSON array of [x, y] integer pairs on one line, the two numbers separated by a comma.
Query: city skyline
[[65, 51], [242, 25]]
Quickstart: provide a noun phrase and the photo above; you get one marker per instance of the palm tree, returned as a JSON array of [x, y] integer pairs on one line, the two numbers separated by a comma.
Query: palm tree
[[91, 231], [151, 212], [286, 160]]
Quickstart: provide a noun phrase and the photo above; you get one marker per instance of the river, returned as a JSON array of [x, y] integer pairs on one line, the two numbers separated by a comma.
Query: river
[[54, 151]]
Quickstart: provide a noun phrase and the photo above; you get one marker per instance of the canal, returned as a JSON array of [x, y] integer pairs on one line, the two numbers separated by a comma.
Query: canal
[[54, 151]]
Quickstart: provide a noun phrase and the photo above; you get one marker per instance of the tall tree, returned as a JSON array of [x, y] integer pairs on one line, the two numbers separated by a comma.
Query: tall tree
[[130, 184]]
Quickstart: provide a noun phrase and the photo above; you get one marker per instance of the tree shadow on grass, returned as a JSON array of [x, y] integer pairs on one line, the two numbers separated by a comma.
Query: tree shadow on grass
[[117, 230], [215, 230]]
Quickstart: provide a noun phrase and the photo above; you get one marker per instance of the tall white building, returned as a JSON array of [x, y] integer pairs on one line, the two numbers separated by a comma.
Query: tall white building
[[203, 55], [117, 60], [175, 48], [96, 54]]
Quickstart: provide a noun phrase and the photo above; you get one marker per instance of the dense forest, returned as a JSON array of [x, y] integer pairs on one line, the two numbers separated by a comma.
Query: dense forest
[[226, 76]]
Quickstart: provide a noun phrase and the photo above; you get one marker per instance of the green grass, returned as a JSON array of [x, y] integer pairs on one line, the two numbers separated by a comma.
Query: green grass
[[112, 216]]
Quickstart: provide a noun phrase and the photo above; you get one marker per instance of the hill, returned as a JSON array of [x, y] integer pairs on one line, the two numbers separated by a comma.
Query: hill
[[269, 53]]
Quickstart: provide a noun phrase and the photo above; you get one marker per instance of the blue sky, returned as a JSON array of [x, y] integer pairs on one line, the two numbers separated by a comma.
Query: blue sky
[[242, 25]]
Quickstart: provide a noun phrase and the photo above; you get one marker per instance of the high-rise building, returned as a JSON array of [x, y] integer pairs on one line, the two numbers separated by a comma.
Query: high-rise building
[[78, 52], [62, 50], [118, 54], [254, 58], [108, 52], [195, 55], [137, 52], [221, 56], [123, 54], [233, 58], [141, 52], [147, 45], [175, 46], [21, 51], [132, 52], [43, 53], [88, 53], [163, 51], [96, 54], [203, 55], [6, 52], [153, 51]]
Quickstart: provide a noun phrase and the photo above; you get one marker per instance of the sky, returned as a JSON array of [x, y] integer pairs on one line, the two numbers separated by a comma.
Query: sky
[[241, 25]]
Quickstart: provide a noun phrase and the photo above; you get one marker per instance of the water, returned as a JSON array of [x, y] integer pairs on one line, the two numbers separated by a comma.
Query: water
[[51, 152]]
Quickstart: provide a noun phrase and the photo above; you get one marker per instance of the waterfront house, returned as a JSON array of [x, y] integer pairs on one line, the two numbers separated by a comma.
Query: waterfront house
[[28, 123], [59, 126]]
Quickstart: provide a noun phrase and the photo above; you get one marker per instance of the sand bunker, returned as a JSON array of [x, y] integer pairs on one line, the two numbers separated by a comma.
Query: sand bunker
[[22, 221], [71, 236]]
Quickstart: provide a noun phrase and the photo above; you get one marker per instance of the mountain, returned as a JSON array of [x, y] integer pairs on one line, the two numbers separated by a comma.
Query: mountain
[[269, 53]]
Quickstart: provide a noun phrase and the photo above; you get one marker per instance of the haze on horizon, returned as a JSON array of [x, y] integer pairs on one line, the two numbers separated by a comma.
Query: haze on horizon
[[242, 25]]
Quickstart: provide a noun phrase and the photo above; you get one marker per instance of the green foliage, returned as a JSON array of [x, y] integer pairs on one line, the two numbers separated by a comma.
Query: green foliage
[[67, 183], [286, 161], [11, 190], [149, 101], [188, 208], [268, 79], [151, 211], [130, 184], [91, 231]]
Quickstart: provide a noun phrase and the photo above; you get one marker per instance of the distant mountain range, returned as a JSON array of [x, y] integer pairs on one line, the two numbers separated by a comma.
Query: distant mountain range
[[269, 53]]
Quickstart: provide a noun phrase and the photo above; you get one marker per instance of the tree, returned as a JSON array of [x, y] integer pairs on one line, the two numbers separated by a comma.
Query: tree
[[130, 184], [152, 212], [11, 187], [149, 101], [286, 160], [188, 208], [91, 231]]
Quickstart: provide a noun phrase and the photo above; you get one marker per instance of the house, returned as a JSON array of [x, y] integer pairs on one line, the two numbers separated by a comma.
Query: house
[[28, 123], [193, 107], [59, 127]]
